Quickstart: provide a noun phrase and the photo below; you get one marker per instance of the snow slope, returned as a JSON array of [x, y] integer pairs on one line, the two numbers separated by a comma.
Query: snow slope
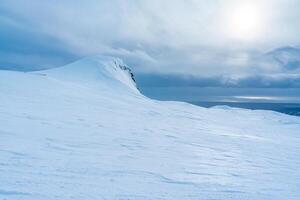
[[83, 131]]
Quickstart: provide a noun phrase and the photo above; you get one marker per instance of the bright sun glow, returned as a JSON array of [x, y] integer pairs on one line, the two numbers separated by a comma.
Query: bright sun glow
[[245, 21]]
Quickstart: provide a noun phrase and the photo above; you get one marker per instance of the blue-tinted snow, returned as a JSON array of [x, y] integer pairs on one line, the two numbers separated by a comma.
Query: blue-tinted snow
[[84, 132]]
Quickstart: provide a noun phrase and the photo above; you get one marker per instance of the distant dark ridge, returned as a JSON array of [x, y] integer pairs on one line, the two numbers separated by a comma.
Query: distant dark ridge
[[23, 69]]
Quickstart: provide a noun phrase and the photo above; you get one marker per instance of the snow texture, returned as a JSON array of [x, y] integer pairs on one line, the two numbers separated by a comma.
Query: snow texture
[[83, 131]]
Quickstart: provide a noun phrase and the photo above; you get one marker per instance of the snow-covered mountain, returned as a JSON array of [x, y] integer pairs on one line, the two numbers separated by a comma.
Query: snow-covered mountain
[[83, 131], [288, 58]]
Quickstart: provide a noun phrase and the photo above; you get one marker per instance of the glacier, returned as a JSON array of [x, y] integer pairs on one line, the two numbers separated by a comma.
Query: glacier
[[84, 131]]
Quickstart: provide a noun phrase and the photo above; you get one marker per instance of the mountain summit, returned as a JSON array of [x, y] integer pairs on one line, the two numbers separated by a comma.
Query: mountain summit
[[101, 69]]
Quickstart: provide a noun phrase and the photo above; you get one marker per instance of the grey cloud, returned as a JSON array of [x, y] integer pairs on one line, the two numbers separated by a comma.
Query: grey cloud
[[182, 38], [257, 81]]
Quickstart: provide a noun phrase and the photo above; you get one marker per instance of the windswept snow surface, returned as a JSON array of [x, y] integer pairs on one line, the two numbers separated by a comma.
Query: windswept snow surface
[[83, 131]]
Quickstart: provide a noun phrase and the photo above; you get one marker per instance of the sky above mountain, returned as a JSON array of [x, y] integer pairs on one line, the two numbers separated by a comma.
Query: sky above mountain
[[224, 43]]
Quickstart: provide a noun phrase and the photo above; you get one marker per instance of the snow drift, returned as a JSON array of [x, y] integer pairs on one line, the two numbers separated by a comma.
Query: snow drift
[[83, 131]]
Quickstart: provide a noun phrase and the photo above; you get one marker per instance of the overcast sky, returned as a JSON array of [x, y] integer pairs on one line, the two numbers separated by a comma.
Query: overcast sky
[[209, 39]]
